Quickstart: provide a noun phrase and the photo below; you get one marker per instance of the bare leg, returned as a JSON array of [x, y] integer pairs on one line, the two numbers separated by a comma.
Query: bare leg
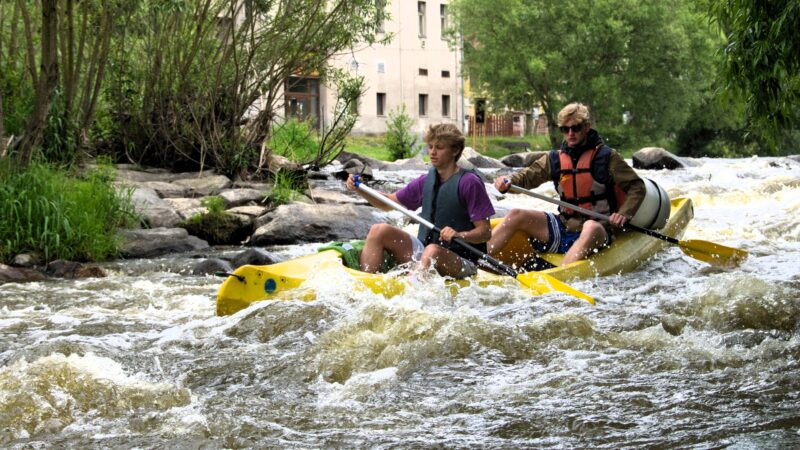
[[444, 261], [592, 237], [533, 223], [385, 237]]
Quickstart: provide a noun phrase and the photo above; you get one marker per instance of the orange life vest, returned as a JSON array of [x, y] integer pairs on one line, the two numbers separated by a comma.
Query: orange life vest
[[579, 185]]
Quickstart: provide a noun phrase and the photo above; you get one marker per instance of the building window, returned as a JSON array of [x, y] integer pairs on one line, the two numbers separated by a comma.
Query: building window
[[421, 14], [423, 105], [443, 16], [354, 107], [445, 74], [381, 67], [302, 98], [423, 72], [381, 103], [445, 106]]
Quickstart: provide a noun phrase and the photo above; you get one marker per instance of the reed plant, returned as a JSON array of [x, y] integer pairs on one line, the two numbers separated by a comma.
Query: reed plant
[[57, 215]]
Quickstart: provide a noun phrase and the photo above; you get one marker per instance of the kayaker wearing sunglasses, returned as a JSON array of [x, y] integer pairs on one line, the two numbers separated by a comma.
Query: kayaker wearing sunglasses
[[587, 173]]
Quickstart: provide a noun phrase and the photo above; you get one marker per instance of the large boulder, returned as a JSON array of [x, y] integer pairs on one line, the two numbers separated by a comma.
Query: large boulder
[[299, 222], [470, 159], [158, 241], [156, 211], [201, 186], [19, 274], [656, 158], [521, 159]]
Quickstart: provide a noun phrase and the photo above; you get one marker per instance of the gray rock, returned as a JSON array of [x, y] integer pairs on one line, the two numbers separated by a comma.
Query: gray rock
[[158, 241], [19, 274], [167, 190], [521, 159], [471, 159], [655, 158], [294, 223], [156, 212], [248, 211], [71, 269], [211, 266], [26, 260], [206, 185], [254, 256], [329, 197], [242, 196], [131, 174], [186, 207]]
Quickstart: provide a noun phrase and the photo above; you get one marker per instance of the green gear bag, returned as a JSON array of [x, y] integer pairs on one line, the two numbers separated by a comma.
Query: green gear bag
[[351, 254]]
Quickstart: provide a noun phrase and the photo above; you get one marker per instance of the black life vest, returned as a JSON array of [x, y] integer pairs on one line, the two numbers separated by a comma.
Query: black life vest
[[442, 205]]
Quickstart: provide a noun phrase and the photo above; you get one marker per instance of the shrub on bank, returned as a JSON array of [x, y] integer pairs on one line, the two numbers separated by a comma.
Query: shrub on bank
[[55, 215]]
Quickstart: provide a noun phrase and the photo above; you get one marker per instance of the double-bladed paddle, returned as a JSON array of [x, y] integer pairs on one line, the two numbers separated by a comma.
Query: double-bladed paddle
[[715, 254], [538, 283]]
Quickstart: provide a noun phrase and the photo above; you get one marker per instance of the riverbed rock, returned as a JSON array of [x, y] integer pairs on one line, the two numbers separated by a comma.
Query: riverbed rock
[[186, 207], [211, 266], [471, 159], [524, 159], [26, 260], [72, 269], [201, 186], [154, 242], [243, 196], [19, 274], [656, 158], [297, 223], [167, 190], [155, 211], [254, 256]]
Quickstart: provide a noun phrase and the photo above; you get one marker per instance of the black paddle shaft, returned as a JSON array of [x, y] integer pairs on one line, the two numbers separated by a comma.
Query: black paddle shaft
[[397, 207]]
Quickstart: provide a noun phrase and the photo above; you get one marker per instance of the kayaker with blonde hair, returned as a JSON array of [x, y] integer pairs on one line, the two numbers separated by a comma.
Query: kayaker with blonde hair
[[453, 199], [586, 172]]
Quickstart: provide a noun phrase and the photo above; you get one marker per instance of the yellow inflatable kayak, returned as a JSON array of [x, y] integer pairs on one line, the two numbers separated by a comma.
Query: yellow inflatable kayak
[[285, 280]]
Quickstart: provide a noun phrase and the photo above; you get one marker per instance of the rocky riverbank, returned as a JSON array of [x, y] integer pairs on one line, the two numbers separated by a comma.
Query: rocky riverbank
[[325, 212]]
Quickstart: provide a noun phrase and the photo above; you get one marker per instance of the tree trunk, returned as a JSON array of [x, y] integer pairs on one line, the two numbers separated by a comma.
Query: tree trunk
[[47, 82]]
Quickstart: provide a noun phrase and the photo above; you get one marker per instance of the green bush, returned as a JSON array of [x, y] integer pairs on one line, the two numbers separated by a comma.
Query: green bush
[[400, 140], [57, 216], [295, 140], [286, 187]]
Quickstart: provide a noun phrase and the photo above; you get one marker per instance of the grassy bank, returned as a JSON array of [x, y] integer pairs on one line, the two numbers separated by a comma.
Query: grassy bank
[[55, 215]]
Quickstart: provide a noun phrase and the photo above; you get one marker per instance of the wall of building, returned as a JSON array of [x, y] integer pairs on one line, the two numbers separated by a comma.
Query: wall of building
[[397, 70]]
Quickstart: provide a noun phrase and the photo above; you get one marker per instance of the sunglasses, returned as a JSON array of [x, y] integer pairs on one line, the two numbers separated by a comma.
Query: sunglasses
[[574, 128]]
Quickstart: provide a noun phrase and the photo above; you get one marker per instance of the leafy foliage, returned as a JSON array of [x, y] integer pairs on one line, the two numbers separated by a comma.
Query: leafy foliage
[[400, 140], [206, 89], [286, 187], [650, 59], [294, 139], [762, 61], [60, 217]]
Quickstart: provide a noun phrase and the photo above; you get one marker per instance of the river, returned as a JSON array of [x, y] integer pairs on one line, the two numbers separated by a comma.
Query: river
[[676, 354]]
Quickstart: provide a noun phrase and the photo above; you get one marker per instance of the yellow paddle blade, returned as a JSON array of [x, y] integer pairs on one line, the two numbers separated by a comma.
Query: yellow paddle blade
[[715, 254], [540, 283]]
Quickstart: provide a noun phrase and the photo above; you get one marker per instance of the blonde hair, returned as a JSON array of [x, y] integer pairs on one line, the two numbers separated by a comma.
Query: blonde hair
[[575, 111], [447, 133]]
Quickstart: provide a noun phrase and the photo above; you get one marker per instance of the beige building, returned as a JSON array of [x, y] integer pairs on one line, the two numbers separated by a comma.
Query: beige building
[[417, 68]]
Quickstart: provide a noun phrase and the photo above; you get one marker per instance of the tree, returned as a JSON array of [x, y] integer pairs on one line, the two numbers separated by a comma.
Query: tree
[[201, 82], [649, 59], [762, 60], [44, 80]]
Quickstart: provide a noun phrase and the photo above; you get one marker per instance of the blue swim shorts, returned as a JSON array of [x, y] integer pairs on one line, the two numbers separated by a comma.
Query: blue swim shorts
[[559, 240]]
